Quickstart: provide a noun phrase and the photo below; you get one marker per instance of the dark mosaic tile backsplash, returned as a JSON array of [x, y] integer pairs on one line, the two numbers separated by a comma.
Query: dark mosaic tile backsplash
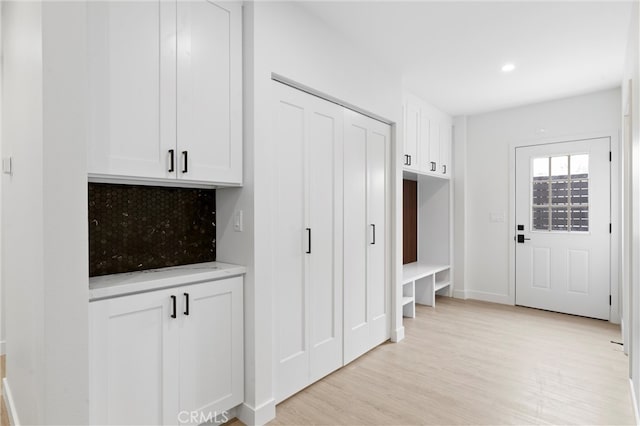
[[133, 227]]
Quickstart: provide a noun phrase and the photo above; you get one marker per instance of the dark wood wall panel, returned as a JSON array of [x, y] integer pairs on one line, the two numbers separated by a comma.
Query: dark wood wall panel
[[410, 221]]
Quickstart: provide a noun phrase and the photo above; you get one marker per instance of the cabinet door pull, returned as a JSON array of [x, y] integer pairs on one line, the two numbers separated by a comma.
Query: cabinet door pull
[[308, 241], [409, 160], [185, 166], [373, 226], [444, 169], [173, 304], [186, 303], [172, 160], [433, 166]]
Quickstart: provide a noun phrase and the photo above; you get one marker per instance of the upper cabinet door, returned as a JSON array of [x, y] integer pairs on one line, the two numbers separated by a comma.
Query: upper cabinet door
[[209, 91], [445, 149], [411, 136], [425, 142], [434, 147], [131, 103]]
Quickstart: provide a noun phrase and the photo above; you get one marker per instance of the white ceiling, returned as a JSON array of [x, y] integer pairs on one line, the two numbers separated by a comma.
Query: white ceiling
[[450, 52]]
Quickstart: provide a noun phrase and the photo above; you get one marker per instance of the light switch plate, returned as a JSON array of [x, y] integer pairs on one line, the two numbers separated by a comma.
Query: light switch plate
[[6, 165], [237, 221]]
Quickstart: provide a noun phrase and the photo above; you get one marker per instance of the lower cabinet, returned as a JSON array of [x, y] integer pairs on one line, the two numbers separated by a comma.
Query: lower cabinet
[[172, 356]]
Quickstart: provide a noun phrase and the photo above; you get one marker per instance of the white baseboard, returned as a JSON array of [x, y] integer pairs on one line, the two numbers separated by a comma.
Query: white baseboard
[[488, 297], [460, 294], [257, 416], [635, 402], [8, 402], [397, 334], [3, 347]]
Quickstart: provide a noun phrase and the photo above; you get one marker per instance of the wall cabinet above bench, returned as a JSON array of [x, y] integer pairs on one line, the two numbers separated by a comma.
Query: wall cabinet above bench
[[427, 139], [165, 100]]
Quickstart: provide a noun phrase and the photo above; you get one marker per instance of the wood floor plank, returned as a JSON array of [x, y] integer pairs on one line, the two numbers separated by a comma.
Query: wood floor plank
[[469, 362]]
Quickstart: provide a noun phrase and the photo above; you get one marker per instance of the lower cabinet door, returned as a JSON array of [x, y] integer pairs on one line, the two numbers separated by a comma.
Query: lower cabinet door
[[211, 350], [133, 360]]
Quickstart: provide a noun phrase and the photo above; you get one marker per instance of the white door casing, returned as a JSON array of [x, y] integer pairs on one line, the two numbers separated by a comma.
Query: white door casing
[[556, 269]]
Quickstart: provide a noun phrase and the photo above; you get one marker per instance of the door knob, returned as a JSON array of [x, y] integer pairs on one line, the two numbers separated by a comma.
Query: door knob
[[522, 239]]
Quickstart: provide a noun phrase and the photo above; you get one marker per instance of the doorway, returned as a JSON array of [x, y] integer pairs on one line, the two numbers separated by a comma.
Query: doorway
[[563, 226]]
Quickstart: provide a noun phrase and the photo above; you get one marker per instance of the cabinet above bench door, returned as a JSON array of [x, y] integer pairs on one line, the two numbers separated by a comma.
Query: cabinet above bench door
[[165, 91]]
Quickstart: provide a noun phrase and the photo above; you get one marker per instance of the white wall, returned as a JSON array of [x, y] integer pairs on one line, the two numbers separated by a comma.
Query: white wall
[[282, 38], [44, 205], [459, 159], [631, 203], [488, 138]]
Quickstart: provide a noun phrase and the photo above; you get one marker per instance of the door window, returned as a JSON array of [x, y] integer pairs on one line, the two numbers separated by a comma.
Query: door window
[[560, 193]]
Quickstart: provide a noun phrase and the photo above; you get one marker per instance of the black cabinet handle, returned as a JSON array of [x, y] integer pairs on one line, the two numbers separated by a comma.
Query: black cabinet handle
[[374, 233], [186, 303], [172, 155], [444, 169], [433, 166], [173, 302], [409, 160], [185, 166], [309, 241]]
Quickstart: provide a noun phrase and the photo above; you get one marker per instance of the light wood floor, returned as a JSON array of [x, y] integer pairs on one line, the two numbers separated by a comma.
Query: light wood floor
[[467, 362]]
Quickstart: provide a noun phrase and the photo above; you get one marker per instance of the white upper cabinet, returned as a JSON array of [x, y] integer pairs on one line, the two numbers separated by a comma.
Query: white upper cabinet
[[165, 91], [210, 91], [428, 130], [411, 136], [445, 148]]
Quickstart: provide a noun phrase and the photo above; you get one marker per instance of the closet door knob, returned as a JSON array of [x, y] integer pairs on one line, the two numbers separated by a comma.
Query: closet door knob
[[433, 166], [308, 241], [444, 169], [373, 228]]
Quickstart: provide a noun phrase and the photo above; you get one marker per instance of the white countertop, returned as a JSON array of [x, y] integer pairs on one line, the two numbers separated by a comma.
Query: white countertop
[[154, 279]]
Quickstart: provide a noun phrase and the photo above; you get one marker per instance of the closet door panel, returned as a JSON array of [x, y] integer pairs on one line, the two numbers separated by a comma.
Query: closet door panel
[[356, 238], [292, 359], [325, 289], [377, 274]]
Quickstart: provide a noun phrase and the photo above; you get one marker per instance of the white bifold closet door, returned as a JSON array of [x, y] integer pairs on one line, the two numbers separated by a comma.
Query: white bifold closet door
[[307, 236], [366, 276]]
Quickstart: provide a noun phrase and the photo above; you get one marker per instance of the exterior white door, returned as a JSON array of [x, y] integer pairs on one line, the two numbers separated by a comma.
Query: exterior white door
[[366, 289], [563, 227], [307, 254]]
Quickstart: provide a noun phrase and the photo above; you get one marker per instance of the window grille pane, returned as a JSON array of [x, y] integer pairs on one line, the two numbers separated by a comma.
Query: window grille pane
[[560, 192], [559, 219], [540, 192], [540, 220], [541, 167], [560, 167], [580, 219], [579, 165], [580, 191]]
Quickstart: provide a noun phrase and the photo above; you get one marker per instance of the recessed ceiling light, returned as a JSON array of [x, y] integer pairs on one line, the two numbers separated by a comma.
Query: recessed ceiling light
[[508, 67]]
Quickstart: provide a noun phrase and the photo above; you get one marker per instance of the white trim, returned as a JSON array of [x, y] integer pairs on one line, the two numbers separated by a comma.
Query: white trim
[[260, 415], [397, 334], [614, 137], [3, 347], [8, 402], [634, 401], [460, 294], [484, 296]]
